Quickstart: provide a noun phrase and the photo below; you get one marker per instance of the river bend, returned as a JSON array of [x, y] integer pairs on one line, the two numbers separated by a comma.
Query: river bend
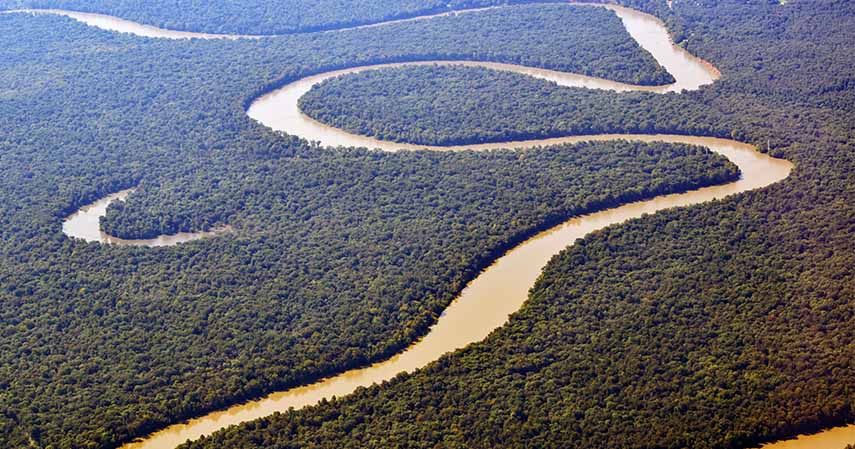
[[502, 288], [85, 224]]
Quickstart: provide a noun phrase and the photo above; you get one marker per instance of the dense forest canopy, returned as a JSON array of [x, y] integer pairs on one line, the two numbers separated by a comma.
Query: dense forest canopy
[[263, 17], [453, 105], [712, 326], [339, 256], [249, 16], [716, 326]]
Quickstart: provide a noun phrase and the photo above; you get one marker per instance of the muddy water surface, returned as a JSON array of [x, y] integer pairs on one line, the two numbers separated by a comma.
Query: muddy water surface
[[501, 289], [85, 224]]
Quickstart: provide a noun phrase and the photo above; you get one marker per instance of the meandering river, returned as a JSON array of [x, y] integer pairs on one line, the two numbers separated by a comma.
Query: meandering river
[[501, 289], [118, 25], [85, 224]]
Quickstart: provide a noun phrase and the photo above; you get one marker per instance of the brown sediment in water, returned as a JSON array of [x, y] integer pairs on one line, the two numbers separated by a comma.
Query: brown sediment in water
[[502, 288], [85, 224]]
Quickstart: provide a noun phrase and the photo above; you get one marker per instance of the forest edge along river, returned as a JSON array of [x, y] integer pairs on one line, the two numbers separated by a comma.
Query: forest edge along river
[[85, 224], [502, 288]]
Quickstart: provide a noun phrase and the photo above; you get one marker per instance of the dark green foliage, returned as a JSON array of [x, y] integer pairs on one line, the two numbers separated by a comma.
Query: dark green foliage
[[309, 185], [679, 330], [716, 326], [247, 16], [338, 256], [591, 41], [336, 259], [698, 323], [705, 327], [453, 105], [263, 17]]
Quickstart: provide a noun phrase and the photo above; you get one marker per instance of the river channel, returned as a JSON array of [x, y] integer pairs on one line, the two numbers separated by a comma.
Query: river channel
[[503, 287]]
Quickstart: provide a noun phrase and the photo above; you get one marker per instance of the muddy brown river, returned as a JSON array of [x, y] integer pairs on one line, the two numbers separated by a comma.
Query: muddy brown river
[[85, 224], [502, 288]]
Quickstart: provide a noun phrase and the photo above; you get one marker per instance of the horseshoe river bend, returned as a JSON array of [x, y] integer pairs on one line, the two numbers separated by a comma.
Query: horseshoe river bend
[[502, 288]]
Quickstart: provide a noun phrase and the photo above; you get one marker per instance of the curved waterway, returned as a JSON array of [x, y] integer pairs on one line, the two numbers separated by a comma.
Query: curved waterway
[[280, 109], [118, 25], [85, 224], [836, 438], [111, 23], [502, 288], [486, 302]]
